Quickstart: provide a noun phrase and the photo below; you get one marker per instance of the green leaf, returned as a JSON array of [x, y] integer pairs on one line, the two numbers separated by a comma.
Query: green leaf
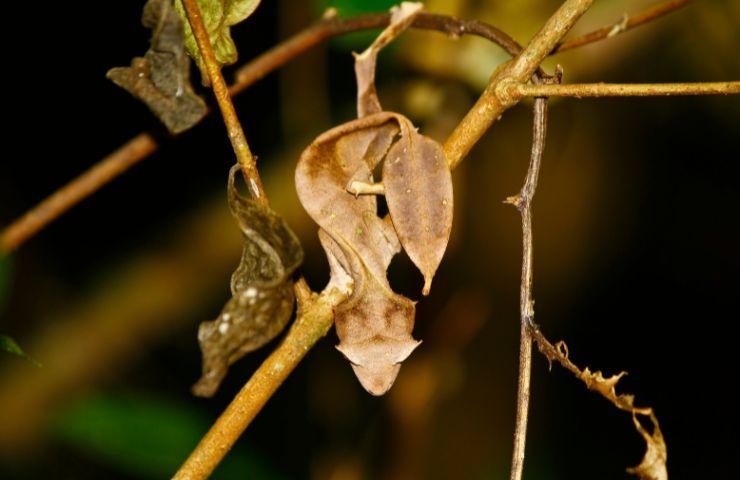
[[9, 345], [146, 437], [218, 16]]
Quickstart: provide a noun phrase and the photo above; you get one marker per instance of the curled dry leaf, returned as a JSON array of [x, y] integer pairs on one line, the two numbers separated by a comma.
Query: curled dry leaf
[[653, 465], [262, 301], [219, 16], [161, 79]]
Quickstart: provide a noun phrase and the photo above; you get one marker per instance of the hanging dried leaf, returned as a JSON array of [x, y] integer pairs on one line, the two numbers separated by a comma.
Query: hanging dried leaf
[[374, 325], [418, 190], [219, 16], [402, 17], [161, 79], [262, 301], [416, 178], [653, 465]]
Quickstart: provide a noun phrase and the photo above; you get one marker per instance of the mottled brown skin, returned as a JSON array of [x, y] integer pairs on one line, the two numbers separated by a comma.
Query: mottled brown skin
[[161, 79], [374, 325], [262, 301]]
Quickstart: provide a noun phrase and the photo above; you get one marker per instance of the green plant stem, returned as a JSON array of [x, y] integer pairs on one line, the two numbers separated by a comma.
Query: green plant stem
[[221, 91]]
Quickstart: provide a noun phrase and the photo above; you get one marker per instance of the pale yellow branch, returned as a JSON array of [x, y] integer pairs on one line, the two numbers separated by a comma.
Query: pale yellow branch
[[512, 91], [314, 319]]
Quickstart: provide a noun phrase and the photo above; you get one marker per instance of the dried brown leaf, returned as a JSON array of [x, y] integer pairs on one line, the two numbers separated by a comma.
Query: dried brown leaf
[[402, 17], [262, 301], [416, 177], [374, 325], [418, 190], [653, 464], [161, 79]]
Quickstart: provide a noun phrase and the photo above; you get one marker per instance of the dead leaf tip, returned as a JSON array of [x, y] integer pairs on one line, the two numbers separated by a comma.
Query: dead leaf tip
[[427, 286]]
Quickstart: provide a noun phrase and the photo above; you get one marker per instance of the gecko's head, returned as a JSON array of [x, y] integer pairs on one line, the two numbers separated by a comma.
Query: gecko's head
[[376, 361]]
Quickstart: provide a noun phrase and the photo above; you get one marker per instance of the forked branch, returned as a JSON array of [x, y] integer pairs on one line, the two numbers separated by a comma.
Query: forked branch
[[144, 144]]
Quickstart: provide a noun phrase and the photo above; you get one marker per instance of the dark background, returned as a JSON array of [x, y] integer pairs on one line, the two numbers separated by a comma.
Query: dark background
[[636, 256]]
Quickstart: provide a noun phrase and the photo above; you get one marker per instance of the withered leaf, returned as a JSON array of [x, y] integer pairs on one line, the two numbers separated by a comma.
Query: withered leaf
[[416, 178], [262, 301], [374, 325], [402, 17], [653, 464], [418, 190], [218, 16], [161, 79]]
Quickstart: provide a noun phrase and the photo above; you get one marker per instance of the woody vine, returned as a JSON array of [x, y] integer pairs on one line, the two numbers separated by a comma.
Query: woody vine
[[337, 186]]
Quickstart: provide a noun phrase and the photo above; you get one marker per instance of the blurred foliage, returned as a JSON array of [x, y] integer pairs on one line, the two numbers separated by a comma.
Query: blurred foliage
[[5, 269], [146, 436], [9, 345]]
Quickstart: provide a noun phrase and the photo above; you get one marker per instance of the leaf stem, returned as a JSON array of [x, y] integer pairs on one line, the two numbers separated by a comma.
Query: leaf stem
[[221, 91]]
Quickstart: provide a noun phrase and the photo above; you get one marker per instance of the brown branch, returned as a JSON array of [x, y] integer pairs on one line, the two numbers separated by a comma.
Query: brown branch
[[523, 201], [627, 23], [490, 106], [131, 153], [221, 91], [518, 90], [143, 145], [314, 319]]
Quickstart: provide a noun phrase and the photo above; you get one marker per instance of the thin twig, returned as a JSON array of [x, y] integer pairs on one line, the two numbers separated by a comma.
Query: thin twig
[[221, 91], [519, 90], [90, 181], [314, 319], [622, 26], [523, 202], [143, 145]]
